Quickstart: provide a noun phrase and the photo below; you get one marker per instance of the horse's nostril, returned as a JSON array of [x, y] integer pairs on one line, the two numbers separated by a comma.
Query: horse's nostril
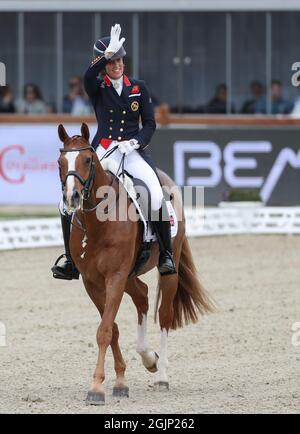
[[76, 195]]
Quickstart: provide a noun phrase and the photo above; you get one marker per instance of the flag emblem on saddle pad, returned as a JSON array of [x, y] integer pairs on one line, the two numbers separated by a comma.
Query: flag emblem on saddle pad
[[135, 89]]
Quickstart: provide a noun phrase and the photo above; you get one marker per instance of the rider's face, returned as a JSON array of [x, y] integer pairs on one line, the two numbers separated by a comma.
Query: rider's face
[[115, 68]]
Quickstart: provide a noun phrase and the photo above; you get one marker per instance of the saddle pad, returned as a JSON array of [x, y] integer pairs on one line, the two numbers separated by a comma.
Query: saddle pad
[[148, 233], [128, 184]]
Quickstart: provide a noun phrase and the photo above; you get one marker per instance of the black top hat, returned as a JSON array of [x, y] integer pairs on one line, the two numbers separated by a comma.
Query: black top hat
[[101, 45]]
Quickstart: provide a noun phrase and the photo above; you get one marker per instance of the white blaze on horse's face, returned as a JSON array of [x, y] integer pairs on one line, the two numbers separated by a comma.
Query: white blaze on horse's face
[[70, 184]]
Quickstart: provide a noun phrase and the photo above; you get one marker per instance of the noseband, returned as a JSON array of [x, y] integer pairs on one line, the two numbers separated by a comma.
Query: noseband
[[86, 183]]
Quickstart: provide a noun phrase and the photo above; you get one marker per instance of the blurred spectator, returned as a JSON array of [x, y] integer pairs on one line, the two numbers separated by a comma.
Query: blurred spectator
[[162, 113], [76, 101], [33, 101], [7, 100], [279, 104], [219, 102], [256, 91]]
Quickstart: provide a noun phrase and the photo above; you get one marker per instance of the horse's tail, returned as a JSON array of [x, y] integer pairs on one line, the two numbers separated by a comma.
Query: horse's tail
[[191, 299]]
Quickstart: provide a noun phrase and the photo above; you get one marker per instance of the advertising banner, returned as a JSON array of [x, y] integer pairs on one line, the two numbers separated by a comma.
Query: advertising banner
[[263, 159], [28, 163]]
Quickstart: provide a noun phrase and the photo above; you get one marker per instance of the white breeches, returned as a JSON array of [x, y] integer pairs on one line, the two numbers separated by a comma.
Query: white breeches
[[136, 166]]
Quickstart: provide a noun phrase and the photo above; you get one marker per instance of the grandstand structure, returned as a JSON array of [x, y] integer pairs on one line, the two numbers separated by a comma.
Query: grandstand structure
[[199, 44], [184, 50]]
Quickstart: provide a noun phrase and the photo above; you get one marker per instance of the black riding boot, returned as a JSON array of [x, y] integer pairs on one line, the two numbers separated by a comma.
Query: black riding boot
[[162, 229], [67, 270]]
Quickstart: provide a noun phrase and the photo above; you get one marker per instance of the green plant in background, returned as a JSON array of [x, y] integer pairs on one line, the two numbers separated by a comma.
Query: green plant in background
[[9, 212], [17, 216], [238, 195]]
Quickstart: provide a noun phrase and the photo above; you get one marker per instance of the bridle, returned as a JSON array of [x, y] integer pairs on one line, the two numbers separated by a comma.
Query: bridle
[[86, 183]]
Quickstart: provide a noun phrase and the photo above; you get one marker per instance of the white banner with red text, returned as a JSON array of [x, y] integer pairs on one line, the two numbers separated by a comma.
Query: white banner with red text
[[28, 163]]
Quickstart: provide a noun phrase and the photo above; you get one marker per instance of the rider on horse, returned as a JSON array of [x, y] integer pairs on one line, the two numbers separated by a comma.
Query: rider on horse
[[119, 102]]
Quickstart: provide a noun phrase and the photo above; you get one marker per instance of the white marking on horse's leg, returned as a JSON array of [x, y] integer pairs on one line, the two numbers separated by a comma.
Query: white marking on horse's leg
[[162, 362], [148, 357], [71, 158]]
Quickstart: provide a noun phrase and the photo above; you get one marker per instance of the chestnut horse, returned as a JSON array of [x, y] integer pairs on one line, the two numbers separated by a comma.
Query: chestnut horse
[[105, 252]]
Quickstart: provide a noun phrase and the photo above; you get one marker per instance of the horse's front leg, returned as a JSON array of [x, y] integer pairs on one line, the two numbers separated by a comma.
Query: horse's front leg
[[120, 388], [114, 289]]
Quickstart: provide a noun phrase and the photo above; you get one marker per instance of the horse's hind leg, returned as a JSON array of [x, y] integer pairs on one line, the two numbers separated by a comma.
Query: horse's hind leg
[[138, 291], [168, 287]]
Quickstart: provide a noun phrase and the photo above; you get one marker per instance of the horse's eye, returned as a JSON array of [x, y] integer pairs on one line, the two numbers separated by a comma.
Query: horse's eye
[[88, 160]]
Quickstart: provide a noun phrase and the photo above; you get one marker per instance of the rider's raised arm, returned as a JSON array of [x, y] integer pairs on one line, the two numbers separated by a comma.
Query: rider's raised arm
[[91, 80], [147, 116], [91, 77]]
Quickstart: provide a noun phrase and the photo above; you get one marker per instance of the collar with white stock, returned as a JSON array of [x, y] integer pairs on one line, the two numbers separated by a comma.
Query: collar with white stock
[[117, 84]]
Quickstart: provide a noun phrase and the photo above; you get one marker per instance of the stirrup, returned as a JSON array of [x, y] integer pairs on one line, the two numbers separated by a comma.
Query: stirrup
[[59, 273]]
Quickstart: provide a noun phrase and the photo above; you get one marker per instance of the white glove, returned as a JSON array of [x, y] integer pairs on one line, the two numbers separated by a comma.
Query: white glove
[[115, 44], [127, 146]]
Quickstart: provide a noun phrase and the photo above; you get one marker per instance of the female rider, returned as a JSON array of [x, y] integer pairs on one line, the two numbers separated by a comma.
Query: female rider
[[119, 103]]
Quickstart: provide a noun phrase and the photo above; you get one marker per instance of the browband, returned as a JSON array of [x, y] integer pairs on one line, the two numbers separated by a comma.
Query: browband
[[77, 149]]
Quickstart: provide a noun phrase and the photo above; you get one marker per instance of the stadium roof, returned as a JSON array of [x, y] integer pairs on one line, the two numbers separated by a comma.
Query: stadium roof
[[148, 5]]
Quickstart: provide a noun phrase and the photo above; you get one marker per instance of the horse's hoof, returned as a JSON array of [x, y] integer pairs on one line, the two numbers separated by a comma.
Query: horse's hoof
[[121, 392], [161, 386], [153, 368], [95, 398]]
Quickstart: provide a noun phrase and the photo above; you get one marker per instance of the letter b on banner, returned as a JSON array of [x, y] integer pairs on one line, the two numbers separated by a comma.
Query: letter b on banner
[[2, 74]]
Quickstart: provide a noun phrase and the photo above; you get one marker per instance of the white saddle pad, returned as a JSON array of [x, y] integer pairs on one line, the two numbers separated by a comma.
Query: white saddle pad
[[127, 182]]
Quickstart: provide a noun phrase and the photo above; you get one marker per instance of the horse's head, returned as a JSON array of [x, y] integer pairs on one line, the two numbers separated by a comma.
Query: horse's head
[[76, 167]]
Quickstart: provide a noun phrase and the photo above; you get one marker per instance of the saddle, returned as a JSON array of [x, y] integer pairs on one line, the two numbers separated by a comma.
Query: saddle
[[140, 196]]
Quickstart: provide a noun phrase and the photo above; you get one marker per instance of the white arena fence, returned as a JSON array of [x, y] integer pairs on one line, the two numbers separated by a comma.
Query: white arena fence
[[46, 232], [230, 221]]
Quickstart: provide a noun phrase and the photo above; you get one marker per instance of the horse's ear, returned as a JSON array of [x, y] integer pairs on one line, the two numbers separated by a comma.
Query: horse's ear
[[63, 135], [85, 132]]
